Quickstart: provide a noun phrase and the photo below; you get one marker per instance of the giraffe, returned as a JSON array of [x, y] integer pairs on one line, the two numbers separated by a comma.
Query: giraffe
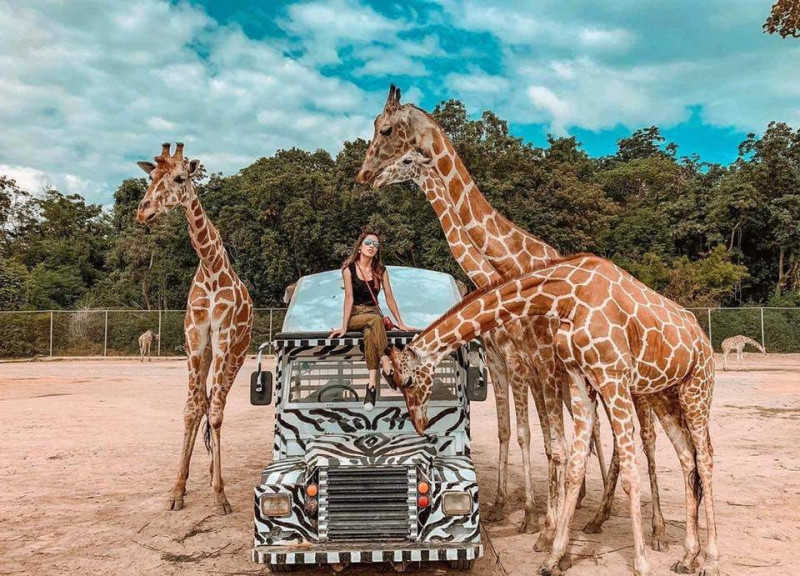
[[145, 341], [219, 315], [737, 343], [510, 251], [619, 337]]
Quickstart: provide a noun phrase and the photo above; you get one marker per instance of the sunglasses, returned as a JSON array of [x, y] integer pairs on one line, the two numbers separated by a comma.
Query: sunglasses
[[370, 242]]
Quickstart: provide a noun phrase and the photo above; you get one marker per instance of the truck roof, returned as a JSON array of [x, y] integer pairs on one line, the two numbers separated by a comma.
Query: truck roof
[[422, 296]]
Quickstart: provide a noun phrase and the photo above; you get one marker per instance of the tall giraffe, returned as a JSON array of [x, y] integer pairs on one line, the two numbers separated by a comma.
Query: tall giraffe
[[219, 314], [510, 251], [511, 356], [621, 338], [541, 361]]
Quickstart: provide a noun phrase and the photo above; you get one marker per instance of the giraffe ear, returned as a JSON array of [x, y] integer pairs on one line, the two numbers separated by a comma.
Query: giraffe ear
[[425, 158], [146, 166], [194, 167]]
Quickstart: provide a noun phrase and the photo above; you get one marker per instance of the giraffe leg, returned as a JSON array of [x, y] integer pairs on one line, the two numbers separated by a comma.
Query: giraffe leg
[[583, 415], [226, 365], [598, 447], [724, 359], [695, 398], [595, 525], [648, 433], [617, 395], [193, 412], [552, 393], [667, 407], [518, 382], [497, 371]]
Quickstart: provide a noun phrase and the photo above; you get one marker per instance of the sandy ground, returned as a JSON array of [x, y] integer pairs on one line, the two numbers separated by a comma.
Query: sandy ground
[[90, 449]]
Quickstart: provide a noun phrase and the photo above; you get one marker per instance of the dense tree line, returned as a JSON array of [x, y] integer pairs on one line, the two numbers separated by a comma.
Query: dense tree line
[[704, 234]]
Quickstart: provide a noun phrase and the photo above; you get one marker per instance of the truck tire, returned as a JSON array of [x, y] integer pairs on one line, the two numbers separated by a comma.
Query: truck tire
[[461, 565]]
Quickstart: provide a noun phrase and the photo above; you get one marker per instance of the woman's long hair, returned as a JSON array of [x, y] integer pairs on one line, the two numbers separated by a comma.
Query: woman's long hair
[[377, 266]]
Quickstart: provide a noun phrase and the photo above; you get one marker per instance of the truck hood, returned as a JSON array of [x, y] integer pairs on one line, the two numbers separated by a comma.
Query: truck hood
[[371, 450]]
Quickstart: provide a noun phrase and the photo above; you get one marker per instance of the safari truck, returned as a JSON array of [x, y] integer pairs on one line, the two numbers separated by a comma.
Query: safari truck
[[350, 486]]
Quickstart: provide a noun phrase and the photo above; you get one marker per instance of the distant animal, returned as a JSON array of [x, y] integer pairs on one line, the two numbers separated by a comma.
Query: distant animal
[[145, 341], [737, 343]]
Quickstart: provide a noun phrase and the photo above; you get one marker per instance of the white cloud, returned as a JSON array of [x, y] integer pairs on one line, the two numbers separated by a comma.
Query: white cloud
[[87, 88], [325, 26], [635, 64]]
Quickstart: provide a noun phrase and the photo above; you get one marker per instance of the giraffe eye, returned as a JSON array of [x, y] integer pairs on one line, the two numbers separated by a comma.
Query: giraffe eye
[[386, 131], [180, 179], [407, 161]]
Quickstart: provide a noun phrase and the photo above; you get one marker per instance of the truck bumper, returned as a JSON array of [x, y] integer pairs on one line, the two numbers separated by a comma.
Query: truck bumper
[[362, 552]]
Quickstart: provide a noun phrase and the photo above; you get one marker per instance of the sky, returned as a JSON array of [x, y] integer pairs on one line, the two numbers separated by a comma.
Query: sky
[[88, 87]]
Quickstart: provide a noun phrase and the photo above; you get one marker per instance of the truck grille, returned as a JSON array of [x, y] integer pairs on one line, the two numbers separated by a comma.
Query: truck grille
[[367, 503]]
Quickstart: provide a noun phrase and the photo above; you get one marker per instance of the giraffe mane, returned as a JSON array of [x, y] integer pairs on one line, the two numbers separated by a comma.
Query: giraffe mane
[[472, 296]]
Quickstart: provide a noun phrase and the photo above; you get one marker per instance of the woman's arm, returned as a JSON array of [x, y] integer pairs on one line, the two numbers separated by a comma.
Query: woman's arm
[[348, 304], [387, 286]]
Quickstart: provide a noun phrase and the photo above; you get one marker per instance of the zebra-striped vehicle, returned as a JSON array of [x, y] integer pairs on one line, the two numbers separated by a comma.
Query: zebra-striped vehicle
[[346, 485]]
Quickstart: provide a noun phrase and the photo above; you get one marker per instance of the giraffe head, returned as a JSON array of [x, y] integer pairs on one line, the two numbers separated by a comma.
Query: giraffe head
[[414, 165], [170, 183], [398, 128], [413, 375]]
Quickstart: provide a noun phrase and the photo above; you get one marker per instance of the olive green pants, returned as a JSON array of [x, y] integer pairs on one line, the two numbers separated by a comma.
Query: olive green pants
[[370, 321]]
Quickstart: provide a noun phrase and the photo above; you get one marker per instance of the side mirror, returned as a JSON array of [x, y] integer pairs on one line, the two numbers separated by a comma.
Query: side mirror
[[261, 388], [476, 384]]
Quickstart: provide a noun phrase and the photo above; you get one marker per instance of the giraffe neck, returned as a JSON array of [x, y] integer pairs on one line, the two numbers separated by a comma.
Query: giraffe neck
[[471, 261], [205, 237], [509, 249], [530, 295]]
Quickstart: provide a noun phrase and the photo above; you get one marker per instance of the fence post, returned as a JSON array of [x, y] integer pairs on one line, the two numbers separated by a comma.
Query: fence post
[[159, 333], [51, 333], [709, 330], [105, 336], [763, 344], [270, 331]]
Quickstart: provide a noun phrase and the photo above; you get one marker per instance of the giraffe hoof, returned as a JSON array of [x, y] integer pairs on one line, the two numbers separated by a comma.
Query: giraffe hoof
[[543, 543], [593, 527], [709, 570], [679, 568], [545, 571], [175, 504], [529, 524], [224, 508], [659, 544], [495, 513]]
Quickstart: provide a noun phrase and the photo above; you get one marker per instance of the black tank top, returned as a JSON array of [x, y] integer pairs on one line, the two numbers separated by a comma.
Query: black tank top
[[360, 291]]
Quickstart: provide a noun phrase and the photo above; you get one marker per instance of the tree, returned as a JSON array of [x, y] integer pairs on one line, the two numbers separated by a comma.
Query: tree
[[784, 19]]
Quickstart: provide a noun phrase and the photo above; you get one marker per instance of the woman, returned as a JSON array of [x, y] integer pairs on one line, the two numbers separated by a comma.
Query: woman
[[363, 273]]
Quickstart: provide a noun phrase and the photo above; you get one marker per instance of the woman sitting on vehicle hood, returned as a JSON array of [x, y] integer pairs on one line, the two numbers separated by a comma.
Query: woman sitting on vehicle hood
[[363, 275]]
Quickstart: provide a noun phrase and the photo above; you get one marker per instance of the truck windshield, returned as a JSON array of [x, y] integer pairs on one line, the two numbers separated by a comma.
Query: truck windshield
[[345, 380]]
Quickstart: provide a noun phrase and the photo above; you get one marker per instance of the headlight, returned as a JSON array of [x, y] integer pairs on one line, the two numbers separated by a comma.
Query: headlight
[[457, 503], [275, 505]]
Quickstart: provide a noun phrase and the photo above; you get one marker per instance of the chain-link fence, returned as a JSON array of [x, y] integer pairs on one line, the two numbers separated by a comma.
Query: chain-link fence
[[116, 332], [108, 332]]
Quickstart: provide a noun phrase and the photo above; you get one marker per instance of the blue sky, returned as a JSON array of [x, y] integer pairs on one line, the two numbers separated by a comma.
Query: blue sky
[[88, 87]]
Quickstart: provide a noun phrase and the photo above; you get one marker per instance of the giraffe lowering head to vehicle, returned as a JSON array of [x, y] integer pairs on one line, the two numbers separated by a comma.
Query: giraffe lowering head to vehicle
[[623, 339], [219, 314], [737, 344], [145, 341]]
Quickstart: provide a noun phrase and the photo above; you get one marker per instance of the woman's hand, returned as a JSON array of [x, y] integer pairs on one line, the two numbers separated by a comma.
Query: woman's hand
[[406, 328], [338, 333]]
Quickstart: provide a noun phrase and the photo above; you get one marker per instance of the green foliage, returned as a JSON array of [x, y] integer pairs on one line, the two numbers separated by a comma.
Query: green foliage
[[706, 235]]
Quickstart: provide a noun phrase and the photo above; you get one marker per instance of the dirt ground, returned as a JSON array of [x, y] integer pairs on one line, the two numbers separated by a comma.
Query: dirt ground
[[90, 449]]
